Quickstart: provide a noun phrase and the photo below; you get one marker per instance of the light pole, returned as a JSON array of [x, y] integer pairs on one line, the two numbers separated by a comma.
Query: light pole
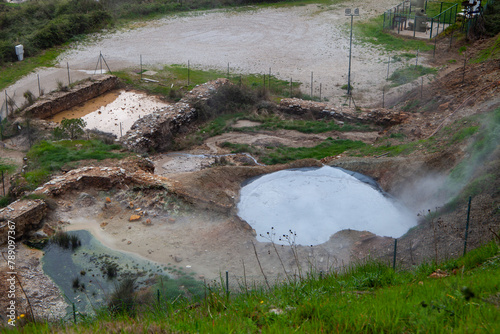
[[349, 13]]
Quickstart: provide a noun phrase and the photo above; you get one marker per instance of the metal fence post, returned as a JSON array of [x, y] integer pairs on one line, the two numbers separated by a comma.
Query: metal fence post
[[6, 104], [432, 24], [467, 226], [227, 283], [395, 251]]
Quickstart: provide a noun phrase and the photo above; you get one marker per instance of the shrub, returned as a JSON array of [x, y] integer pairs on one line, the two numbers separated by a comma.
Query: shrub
[[70, 128], [66, 240], [227, 99], [30, 97], [110, 270], [123, 298], [409, 73], [7, 52]]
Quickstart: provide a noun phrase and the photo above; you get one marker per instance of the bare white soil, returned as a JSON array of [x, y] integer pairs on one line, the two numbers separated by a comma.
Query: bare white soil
[[294, 42]]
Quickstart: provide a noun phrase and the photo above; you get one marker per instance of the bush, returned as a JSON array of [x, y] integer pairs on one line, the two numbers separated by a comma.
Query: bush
[[409, 73], [492, 18], [7, 52], [66, 240], [110, 270], [227, 99], [70, 128], [123, 298]]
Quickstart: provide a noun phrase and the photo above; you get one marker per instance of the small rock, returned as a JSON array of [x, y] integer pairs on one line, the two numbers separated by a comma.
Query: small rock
[[129, 242], [178, 259], [103, 224], [134, 218], [40, 235], [108, 199], [444, 106]]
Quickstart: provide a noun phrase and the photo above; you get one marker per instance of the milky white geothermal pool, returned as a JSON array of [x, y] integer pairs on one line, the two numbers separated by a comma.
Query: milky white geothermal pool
[[315, 203]]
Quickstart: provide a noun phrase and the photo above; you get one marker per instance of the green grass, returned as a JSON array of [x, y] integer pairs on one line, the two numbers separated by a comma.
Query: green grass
[[434, 8], [371, 32], [277, 155], [477, 173], [367, 297], [407, 74], [11, 73], [48, 157], [493, 52], [175, 80], [275, 123]]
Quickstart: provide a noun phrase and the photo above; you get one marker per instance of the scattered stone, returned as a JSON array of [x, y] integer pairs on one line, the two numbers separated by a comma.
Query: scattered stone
[[129, 242], [439, 274], [134, 218], [103, 224], [85, 200], [147, 222], [276, 311], [178, 259], [40, 235], [108, 200], [444, 106]]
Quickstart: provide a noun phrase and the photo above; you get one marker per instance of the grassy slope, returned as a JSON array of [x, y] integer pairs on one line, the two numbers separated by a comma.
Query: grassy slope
[[369, 297]]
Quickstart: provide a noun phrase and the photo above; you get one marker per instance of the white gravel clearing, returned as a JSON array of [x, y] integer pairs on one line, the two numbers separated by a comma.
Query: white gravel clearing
[[291, 41]]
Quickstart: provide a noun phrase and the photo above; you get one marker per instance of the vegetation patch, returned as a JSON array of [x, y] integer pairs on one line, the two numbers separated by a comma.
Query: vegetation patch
[[329, 147], [407, 74], [473, 176], [16, 70], [365, 297], [490, 53], [275, 122], [66, 240], [48, 157], [371, 31]]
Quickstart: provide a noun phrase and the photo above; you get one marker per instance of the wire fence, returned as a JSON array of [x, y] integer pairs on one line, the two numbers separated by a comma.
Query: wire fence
[[407, 18]]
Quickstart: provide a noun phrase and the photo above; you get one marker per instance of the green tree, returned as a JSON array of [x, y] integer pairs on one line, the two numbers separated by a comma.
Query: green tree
[[6, 167], [70, 128]]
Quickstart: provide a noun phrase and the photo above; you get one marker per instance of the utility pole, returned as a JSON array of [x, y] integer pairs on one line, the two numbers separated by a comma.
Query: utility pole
[[349, 93]]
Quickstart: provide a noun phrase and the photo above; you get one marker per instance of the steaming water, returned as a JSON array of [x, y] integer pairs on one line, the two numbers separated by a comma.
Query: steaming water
[[315, 203]]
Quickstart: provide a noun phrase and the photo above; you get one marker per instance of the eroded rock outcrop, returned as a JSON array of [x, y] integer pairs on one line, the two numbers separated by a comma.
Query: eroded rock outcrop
[[53, 103], [379, 116], [102, 178], [25, 215], [155, 131]]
